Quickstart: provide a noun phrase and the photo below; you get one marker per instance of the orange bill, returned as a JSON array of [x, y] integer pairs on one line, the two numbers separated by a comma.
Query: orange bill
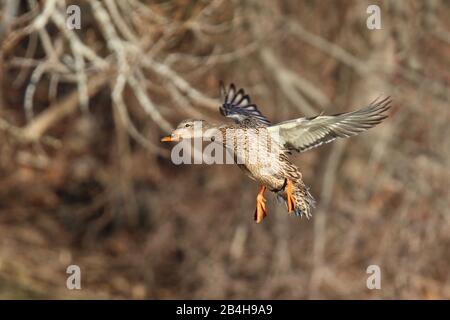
[[166, 139], [170, 138]]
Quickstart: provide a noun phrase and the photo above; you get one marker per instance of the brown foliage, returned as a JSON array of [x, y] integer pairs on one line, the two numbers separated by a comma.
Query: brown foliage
[[84, 180]]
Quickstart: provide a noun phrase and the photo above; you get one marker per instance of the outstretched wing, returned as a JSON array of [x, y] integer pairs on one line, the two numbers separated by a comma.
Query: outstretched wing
[[306, 133], [237, 106]]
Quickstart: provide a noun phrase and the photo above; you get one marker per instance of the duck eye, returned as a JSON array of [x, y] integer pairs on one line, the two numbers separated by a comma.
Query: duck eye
[[187, 125]]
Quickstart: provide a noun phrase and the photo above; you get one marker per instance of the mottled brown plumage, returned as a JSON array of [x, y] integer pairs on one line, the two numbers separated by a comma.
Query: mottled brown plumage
[[261, 149], [270, 167]]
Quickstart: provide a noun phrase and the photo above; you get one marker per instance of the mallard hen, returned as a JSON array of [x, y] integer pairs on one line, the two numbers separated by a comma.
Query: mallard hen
[[261, 149]]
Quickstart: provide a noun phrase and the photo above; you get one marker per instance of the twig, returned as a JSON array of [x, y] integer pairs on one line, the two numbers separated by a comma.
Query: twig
[[61, 109], [320, 223], [291, 83], [180, 83], [327, 47]]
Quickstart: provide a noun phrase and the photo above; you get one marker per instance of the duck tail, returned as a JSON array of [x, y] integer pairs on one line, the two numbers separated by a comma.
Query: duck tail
[[303, 200]]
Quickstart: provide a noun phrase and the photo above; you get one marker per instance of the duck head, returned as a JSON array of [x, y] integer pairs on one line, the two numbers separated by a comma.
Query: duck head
[[188, 129]]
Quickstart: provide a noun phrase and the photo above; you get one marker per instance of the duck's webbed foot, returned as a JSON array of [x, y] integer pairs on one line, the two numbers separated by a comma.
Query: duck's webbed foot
[[289, 196], [260, 212]]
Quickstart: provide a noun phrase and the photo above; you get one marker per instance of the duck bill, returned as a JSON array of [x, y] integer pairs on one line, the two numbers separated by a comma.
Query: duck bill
[[173, 137]]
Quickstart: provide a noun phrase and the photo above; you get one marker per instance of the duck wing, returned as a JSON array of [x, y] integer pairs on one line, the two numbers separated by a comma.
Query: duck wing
[[306, 133], [237, 105]]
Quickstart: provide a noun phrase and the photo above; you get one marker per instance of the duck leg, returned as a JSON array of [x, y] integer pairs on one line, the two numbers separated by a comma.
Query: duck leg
[[289, 196], [260, 211]]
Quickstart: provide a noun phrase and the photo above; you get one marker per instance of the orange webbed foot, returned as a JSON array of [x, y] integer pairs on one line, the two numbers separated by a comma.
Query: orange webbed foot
[[289, 196], [260, 212]]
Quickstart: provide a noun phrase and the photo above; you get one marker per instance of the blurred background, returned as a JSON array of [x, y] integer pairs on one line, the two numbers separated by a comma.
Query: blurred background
[[84, 179]]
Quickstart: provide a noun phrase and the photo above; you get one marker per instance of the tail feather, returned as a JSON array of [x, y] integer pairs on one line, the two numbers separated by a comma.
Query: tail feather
[[304, 201]]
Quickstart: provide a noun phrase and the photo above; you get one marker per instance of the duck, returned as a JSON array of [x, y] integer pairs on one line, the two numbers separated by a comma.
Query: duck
[[263, 149]]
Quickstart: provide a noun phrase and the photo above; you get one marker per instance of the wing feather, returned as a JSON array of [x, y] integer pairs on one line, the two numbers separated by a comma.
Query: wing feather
[[237, 106], [306, 133]]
